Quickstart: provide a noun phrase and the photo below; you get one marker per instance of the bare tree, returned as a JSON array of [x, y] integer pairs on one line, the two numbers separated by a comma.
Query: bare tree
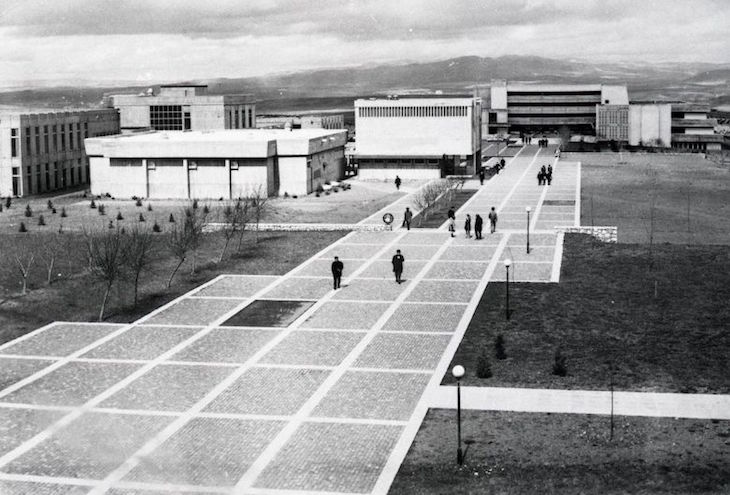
[[259, 205], [195, 223], [234, 222], [105, 249], [242, 210], [185, 239], [50, 249], [139, 248]]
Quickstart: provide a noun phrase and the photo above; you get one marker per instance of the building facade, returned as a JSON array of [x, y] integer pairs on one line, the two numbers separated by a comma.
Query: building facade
[[215, 164], [417, 138], [693, 130], [313, 121], [640, 124], [44, 151], [180, 107], [546, 108]]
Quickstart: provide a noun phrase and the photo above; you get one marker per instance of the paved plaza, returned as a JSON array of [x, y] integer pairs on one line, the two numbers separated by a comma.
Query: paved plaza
[[273, 384]]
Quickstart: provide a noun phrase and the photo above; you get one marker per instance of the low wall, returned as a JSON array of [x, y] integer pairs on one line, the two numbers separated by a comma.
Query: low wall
[[604, 234], [307, 227]]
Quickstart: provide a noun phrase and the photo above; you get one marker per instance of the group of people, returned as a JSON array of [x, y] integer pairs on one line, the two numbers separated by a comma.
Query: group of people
[[542, 143], [398, 262], [545, 176], [478, 223]]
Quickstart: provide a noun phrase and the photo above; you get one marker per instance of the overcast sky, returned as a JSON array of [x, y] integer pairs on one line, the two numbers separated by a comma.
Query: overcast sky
[[158, 40]]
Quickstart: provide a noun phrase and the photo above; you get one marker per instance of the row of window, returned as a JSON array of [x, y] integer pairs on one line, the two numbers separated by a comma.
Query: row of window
[[170, 118], [61, 137], [193, 163], [425, 111], [239, 118], [49, 177]]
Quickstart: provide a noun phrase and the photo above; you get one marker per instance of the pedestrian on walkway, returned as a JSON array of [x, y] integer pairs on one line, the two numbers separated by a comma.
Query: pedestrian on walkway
[[501, 164], [549, 175], [539, 178], [481, 176], [452, 226], [398, 261], [467, 226], [397, 183], [478, 226], [407, 217], [337, 268], [451, 213], [493, 220]]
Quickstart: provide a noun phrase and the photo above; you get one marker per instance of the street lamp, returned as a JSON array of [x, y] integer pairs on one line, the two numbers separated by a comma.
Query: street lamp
[[528, 209], [458, 372], [507, 264]]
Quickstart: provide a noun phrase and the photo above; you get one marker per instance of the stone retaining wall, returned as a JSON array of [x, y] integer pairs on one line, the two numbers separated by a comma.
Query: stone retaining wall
[[605, 234], [307, 227]]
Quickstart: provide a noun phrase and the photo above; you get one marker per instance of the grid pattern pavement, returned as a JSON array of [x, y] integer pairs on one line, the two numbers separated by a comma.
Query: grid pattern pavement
[[185, 400]]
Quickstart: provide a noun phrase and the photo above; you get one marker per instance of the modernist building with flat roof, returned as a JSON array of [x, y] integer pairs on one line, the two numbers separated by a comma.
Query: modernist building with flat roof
[[44, 151], [417, 137], [304, 121], [215, 164], [546, 108], [636, 124], [693, 130], [183, 107]]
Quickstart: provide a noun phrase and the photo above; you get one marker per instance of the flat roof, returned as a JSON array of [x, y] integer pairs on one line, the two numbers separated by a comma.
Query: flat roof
[[414, 101], [182, 85], [224, 135]]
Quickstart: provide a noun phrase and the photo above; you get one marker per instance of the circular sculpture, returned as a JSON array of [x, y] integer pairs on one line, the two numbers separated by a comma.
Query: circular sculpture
[[388, 218]]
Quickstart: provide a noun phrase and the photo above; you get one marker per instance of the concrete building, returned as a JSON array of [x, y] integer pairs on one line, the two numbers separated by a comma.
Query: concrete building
[[310, 121], [183, 107], [693, 130], [215, 164], [44, 151], [637, 124], [417, 137], [546, 108]]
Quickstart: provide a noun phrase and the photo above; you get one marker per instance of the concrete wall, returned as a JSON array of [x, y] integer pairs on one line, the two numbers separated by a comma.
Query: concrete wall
[[498, 96], [650, 125], [121, 182], [293, 175], [404, 173], [604, 234]]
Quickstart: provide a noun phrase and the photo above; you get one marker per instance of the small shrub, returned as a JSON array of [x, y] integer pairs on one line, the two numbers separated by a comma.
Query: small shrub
[[28, 211], [7, 202], [327, 193], [560, 367], [138, 202], [156, 227], [320, 189], [111, 224], [195, 204], [499, 351], [295, 196], [149, 206], [92, 205], [41, 220], [317, 194], [119, 216], [53, 210], [49, 204], [1, 207], [327, 182], [286, 195], [22, 227], [63, 212], [141, 218], [171, 219], [335, 190], [206, 210], [102, 209], [484, 369]]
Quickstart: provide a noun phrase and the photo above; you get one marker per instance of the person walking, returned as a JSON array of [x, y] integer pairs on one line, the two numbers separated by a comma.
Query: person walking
[[451, 213], [493, 220], [478, 226], [549, 175], [467, 226], [452, 227], [398, 261], [407, 217], [481, 176], [397, 183], [337, 268], [539, 178]]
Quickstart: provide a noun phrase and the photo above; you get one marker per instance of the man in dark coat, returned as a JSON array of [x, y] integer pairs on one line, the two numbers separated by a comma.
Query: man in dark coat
[[493, 219], [398, 261], [397, 183], [407, 217], [481, 176], [478, 226], [337, 268], [451, 213]]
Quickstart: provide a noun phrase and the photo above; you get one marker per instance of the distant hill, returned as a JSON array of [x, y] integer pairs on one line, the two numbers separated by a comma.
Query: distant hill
[[305, 90]]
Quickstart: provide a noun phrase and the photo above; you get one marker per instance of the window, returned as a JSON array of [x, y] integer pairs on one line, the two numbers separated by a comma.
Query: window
[[13, 142], [48, 176], [125, 162], [38, 140], [45, 138], [27, 140], [207, 162], [166, 117]]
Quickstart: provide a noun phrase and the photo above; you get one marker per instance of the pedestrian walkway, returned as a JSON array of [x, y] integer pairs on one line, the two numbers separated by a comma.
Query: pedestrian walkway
[[697, 406], [270, 384]]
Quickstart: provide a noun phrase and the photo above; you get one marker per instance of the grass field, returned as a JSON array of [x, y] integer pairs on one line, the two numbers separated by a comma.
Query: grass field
[[566, 454], [350, 206], [75, 296], [691, 205], [604, 309]]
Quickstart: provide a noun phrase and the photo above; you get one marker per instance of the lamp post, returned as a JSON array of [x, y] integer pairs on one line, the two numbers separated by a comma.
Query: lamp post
[[458, 372], [507, 264], [528, 209]]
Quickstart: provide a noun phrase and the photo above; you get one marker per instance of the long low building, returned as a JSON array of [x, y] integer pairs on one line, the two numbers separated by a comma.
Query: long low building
[[215, 164]]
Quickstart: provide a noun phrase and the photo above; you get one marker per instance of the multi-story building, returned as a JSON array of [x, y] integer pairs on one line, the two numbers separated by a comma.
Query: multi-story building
[[693, 130], [183, 107], [546, 108], [295, 121], [44, 151], [215, 164], [417, 137], [636, 124]]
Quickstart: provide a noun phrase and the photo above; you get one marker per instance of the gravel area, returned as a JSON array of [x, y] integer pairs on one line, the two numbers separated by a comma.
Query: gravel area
[[403, 351], [142, 342], [425, 318], [13, 370], [310, 347], [346, 315], [226, 345]]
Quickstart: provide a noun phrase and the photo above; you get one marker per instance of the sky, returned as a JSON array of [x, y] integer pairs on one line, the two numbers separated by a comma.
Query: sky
[[173, 40]]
